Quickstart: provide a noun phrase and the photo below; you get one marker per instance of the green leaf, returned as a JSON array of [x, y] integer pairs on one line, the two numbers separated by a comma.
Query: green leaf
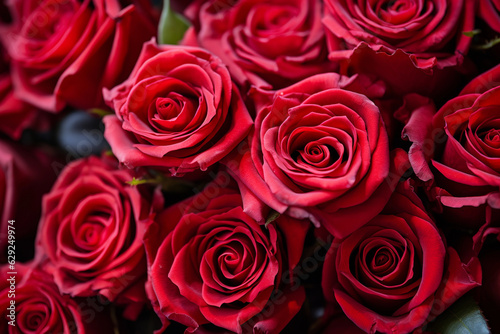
[[136, 182], [472, 33], [172, 25], [100, 112], [273, 215], [488, 45], [463, 317]]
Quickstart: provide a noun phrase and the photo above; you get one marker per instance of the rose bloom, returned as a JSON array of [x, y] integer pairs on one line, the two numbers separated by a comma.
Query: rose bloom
[[90, 233], [395, 273], [178, 111], [40, 308], [65, 51], [465, 165], [489, 11], [266, 44], [210, 263], [318, 151], [20, 169], [397, 40]]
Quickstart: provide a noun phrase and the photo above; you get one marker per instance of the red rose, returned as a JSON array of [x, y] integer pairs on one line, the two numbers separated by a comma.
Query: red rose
[[318, 152], [20, 169], [90, 233], [265, 44], [467, 172], [65, 51], [397, 40], [178, 111], [489, 11], [40, 308], [15, 114], [218, 265], [395, 273]]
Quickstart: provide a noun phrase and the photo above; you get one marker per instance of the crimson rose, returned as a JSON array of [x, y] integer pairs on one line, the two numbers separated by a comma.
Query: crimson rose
[[65, 51], [19, 199], [397, 40], [266, 44], [395, 272], [40, 308], [318, 152], [178, 111], [90, 233], [209, 262]]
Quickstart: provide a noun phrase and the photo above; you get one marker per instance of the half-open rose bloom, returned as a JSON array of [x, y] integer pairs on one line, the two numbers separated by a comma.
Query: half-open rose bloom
[[40, 308], [397, 40], [20, 169], [178, 111], [465, 166], [395, 273], [90, 233], [210, 263], [266, 44], [318, 152], [65, 51]]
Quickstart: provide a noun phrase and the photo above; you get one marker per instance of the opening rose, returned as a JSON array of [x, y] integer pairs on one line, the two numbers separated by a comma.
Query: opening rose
[[90, 233], [218, 265], [178, 111]]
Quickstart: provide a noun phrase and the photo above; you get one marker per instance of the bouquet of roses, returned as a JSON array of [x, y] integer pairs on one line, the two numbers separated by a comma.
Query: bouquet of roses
[[249, 166]]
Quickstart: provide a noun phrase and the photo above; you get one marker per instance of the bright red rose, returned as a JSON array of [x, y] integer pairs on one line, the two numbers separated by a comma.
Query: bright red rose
[[266, 44], [318, 152], [397, 40], [20, 169], [178, 111], [40, 308], [395, 273], [90, 233], [65, 51], [209, 262]]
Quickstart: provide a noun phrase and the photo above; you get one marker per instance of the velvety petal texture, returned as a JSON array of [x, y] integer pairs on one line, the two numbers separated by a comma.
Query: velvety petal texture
[[40, 308], [64, 52], [318, 151], [90, 234], [209, 262], [467, 166], [178, 111], [400, 37], [387, 275], [19, 199], [265, 44]]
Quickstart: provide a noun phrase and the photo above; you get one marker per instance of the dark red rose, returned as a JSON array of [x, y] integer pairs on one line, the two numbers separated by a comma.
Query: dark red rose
[[178, 111], [467, 168], [269, 45], [65, 51], [40, 308], [20, 169], [318, 152], [489, 11], [90, 233], [397, 40], [395, 273], [218, 265]]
